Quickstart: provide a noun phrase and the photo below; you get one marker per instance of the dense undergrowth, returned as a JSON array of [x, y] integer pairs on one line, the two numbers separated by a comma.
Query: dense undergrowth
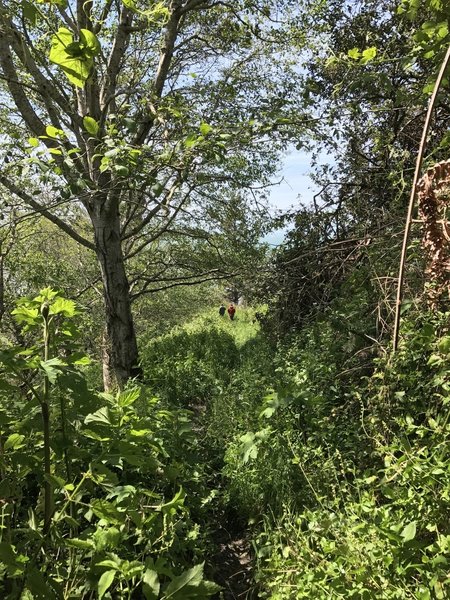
[[336, 454], [332, 456], [99, 491]]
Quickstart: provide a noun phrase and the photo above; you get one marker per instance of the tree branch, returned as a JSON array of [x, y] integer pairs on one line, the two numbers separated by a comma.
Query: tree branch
[[20, 98], [181, 283], [117, 53], [162, 71], [14, 189]]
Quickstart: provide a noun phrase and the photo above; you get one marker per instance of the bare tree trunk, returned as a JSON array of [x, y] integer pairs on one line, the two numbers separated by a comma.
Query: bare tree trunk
[[2, 283], [120, 354]]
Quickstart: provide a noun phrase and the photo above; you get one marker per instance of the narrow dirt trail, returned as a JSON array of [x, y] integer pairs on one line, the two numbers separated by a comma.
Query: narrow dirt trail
[[234, 568]]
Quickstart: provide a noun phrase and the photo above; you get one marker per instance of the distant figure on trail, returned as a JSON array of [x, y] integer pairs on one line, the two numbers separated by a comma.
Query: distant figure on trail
[[222, 310], [231, 311]]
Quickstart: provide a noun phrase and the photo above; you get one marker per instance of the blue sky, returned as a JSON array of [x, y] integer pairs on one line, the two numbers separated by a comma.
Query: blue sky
[[296, 187]]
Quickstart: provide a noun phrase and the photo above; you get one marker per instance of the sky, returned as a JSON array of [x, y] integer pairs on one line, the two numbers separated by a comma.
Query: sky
[[296, 187]]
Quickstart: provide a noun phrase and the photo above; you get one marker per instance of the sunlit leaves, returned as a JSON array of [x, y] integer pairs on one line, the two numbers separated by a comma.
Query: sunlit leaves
[[151, 584], [14, 441], [409, 532], [158, 14], [75, 57], [363, 56], [105, 582], [90, 125], [61, 3], [54, 132]]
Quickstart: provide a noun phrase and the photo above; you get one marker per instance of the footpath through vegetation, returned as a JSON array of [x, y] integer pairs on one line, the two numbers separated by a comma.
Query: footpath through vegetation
[[240, 468]]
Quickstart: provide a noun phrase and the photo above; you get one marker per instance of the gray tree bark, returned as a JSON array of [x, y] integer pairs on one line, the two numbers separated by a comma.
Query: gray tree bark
[[120, 352]]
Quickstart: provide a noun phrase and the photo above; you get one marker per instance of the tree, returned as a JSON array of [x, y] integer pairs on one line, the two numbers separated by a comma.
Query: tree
[[134, 113], [370, 81]]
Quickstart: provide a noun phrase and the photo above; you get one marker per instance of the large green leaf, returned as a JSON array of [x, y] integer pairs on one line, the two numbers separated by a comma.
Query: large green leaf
[[128, 397], [64, 306], [52, 368], [409, 532], [105, 582], [151, 584], [14, 442], [76, 58], [102, 415], [90, 125], [192, 577]]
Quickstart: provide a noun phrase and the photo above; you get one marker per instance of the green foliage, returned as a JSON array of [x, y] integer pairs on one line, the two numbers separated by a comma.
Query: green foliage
[[119, 522], [76, 58], [365, 512], [191, 364]]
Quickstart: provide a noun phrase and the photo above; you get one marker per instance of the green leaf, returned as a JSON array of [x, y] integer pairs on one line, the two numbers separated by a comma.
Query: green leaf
[[90, 42], [128, 397], [368, 54], [106, 538], [33, 142], [82, 361], [102, 415], [30, 12], [81, 544], [354, 53], [52, 368], [191, 140], [122, 170], [54, 132], [192, 577], [439, 591], [14, 442], [90, 125], [15, 562], [54, 481], [38, 585], [151, 584], [105, 582], [62, 305], [24, 314], [56, 2], [8, 554], [409, 532], [76, 58], [174, 504], [205, 128], [107, 511], [130, 4], [114, 564], [249, 447]]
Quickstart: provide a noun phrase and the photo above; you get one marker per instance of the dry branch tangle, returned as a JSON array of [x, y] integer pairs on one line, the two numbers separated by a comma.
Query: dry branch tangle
[[433, 191]]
